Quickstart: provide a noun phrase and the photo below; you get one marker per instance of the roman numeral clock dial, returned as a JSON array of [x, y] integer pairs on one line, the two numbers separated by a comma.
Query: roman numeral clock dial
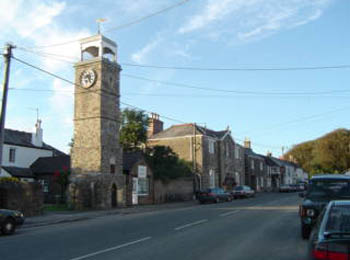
[[88, 78]]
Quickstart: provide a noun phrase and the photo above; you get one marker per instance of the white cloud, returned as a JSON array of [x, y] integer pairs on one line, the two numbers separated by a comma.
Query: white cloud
[[250, 19], [141, 55]]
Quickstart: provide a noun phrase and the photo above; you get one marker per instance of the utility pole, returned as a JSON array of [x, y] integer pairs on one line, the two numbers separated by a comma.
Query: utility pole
[[7, 60]]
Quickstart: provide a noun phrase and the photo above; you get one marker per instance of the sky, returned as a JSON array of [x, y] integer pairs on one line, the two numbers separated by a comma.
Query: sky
[[274, 109]]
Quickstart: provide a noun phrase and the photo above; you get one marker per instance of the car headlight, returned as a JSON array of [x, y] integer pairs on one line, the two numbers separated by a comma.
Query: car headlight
[[310, 212]]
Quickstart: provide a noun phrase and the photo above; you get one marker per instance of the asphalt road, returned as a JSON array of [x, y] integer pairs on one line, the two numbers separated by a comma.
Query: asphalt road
[[265, 227]]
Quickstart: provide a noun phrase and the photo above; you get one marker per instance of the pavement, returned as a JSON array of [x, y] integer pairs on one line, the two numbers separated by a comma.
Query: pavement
[[52, 218], [265, 227]]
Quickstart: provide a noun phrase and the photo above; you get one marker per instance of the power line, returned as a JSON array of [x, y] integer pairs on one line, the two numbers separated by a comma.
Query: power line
[[233, 91], [345, 66], [166, 9]]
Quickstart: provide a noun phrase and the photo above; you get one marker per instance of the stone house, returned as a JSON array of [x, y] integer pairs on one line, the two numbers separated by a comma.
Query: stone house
[[239, 164], [210, 152], [139, 179], [255, 168], [274, 171]]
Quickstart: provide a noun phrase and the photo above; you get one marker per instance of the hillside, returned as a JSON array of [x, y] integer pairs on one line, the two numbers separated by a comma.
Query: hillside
[[329, 153]]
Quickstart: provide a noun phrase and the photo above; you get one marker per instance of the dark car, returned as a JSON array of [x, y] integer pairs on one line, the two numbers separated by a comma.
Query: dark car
[[320, 190], [242, 192], [214, 195], [330, 238], [285, 188], [10, 220]]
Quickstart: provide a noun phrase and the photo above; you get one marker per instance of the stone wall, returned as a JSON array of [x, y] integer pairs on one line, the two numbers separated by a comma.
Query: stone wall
[[25, 197], [175, 190], [97, 191]]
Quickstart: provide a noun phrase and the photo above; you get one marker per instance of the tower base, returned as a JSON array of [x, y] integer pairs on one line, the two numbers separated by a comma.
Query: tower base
[[96, 191]]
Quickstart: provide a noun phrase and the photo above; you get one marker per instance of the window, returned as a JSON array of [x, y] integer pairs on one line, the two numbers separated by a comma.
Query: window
[[261, 166], [237, 152], [12, 155], [212, 178], [211, 146], [227, 150], [112, 168], [252, 164], [143, 186], [44, 185]]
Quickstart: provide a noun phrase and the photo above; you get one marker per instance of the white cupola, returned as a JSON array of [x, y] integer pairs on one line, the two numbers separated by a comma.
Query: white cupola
[[98, 46]]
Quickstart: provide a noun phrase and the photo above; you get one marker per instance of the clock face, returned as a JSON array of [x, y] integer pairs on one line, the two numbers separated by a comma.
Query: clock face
[[88, 78]]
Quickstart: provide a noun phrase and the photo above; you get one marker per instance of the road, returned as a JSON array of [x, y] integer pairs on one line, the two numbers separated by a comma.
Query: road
[[265, 227]]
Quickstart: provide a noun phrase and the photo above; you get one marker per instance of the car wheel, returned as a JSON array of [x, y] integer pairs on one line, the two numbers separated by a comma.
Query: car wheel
[[8, 227], [305, 231], [217, 200]]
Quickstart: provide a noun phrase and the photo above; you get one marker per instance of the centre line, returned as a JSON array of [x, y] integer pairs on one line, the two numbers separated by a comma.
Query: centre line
[[191, 224], [111, 249], [228, 213]]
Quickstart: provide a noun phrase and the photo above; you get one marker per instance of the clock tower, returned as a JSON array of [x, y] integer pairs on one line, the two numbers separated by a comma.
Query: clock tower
[[96, 179]]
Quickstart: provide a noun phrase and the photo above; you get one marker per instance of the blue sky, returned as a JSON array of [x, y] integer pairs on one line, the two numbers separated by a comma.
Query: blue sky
[[200, 33]]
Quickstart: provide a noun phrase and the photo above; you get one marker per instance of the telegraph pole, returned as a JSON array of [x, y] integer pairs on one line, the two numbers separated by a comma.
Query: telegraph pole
[[7, 60]]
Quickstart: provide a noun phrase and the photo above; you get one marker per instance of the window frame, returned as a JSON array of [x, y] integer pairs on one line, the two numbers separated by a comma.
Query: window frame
[[12, 155], [140, 191]]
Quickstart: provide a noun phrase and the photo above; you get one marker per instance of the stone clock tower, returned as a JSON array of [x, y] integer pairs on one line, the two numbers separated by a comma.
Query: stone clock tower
[[96, 162]]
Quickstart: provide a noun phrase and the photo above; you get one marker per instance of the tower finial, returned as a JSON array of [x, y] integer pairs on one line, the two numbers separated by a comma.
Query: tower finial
[[99, 21]]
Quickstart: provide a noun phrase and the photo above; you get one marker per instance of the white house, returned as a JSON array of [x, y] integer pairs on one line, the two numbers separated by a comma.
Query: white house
[[21, 149]]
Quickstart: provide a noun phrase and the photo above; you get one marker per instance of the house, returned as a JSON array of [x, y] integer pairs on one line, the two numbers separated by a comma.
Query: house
[[255, 168], [274, 171], [239, 164], [45, 171], [139, 179], [210, 152], [21, 150]]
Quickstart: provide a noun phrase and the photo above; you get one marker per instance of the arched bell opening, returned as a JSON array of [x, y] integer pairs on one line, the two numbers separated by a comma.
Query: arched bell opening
[[109, 54], [89, 53]]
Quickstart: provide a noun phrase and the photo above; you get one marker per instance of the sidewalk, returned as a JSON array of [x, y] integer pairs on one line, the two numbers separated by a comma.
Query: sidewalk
[[51, 218]]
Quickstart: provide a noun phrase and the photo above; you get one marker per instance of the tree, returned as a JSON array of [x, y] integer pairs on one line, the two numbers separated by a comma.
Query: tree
[[166, 165], [328, 154], [62, 178], [133, 131]]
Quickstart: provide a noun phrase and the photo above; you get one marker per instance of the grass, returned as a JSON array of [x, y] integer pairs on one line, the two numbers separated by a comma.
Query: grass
[[55, 207]]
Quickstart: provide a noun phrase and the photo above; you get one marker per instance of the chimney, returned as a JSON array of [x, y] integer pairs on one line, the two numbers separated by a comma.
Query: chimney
[[155, 125], [37, 137], [247, 143], [269, 154]]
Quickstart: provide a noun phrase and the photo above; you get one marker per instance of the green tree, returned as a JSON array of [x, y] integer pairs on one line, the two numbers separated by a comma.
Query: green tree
[[166, 165], [328, 154], [133, 131]]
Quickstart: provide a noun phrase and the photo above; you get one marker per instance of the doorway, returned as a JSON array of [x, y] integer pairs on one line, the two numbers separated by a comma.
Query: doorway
[[114, 196]]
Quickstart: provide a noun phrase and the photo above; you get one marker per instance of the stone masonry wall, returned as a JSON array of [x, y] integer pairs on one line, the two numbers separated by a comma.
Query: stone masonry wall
[[25, 197], [175, 190]]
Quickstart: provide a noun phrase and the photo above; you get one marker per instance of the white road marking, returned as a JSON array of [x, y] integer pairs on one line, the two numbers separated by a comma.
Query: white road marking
[[191, 224], [111, 249], [228, 213]]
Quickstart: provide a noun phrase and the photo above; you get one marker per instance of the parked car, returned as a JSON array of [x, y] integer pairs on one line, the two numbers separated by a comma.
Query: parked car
[[330, 237], [284, 188], [294, 187], [214, 195], [242, 192], [10, 220], [321, 189]]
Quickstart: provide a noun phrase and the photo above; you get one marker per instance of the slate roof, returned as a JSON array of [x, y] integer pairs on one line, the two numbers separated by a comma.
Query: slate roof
[[130, 158], [19, 172], [187, 129], [49, 165], [20, 138]]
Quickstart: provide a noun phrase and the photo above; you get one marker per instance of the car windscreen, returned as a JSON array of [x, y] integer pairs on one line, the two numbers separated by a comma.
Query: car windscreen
[[329, 188], [338, 219], [238, 188]]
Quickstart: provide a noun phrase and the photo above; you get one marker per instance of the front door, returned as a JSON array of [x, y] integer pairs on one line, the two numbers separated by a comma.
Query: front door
[[135, 186]]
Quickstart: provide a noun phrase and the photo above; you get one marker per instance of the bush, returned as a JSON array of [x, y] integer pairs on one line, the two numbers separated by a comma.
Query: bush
[[9, 180]]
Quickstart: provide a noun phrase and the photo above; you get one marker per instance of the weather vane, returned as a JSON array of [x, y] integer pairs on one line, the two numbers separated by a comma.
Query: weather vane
[[99, 21]]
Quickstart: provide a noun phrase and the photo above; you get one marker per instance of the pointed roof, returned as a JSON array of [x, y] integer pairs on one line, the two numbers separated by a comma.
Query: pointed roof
[[189, 130]]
